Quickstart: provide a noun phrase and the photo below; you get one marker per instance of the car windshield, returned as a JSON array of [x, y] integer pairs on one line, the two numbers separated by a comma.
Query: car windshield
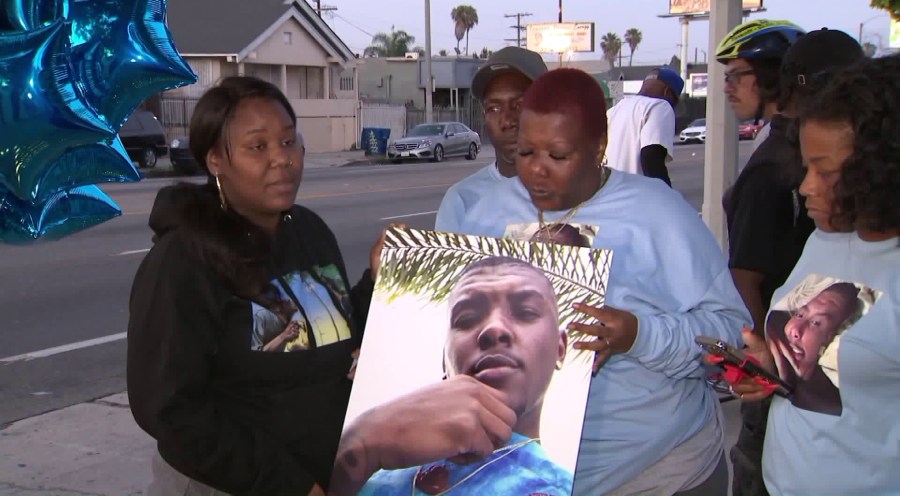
[[427, 130], [698, 123]]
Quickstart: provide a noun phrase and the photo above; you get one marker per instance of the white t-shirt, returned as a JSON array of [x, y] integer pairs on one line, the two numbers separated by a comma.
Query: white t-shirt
[[634, 123]]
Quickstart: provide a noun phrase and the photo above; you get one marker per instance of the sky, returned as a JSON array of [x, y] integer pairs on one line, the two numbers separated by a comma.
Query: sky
[[355, 21]]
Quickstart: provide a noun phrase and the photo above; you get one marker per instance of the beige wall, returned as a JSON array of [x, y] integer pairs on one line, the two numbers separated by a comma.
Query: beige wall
[[303, 50], [327, 125]]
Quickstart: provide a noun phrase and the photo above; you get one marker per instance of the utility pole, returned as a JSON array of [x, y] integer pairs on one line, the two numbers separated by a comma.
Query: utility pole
[[429, 85], [560, 20], [320, 8], [518, 27]]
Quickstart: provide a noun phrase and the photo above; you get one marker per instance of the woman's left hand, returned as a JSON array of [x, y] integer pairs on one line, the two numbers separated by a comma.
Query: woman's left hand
[[615, 332]]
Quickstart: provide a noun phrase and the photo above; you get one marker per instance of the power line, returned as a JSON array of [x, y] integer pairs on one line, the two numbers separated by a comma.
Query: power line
[[518, 27]]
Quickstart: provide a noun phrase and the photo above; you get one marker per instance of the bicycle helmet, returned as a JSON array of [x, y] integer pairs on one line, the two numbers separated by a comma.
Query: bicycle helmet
[[762, 38]]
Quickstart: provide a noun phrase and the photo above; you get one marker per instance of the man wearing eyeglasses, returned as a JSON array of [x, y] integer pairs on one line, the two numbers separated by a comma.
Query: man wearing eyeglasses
[[767, 223], [642, 127]]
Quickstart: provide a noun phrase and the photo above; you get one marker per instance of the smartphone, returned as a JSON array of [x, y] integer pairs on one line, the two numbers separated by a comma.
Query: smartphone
[[737, 358]]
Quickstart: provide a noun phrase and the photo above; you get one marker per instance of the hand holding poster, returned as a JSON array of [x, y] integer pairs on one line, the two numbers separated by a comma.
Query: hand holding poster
[[467, 382]]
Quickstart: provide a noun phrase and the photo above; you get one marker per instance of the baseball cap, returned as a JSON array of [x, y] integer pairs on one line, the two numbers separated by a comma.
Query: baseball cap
[[508, 59], [817, 52], [669, 76]]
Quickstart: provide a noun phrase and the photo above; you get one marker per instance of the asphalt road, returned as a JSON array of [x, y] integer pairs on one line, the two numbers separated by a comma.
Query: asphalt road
[[64, 305]]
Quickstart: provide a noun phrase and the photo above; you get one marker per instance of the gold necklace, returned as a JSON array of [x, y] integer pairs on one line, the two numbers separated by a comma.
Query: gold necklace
[[544, 230], [509, 450]]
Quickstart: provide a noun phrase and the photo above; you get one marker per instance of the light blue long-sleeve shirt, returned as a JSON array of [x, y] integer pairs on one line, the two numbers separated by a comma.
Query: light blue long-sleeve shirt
[[858, 451], [466, 193], [668, 271]]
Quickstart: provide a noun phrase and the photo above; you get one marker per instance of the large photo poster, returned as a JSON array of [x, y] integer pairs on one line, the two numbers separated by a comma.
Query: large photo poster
[[496, 310], [804, 331]]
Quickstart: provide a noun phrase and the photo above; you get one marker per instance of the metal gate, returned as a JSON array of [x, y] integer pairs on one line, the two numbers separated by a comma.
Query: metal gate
[[383, 115]]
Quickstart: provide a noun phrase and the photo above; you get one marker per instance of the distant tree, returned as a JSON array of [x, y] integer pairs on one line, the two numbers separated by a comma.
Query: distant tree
[[393, 44], [611, 45], [485, 53], [892, 6], [464, 17], [633, 37], [443, 53]]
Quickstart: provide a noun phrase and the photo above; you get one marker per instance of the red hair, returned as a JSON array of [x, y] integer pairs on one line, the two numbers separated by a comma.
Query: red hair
[[572, 92]]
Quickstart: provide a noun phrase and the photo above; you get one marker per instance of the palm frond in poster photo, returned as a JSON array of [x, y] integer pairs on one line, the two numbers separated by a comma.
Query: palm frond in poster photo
[[428, 262], [496, 310]]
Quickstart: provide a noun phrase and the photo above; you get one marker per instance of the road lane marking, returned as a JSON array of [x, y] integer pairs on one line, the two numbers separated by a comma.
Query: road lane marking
[[318, 196], [56, 350], [133, 252], [410, 215]]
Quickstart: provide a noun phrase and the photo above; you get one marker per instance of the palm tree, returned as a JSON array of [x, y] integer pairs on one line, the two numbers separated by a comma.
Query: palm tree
[[393, 44], [464, 17], [427, 263], [611, 46], [633, 37]]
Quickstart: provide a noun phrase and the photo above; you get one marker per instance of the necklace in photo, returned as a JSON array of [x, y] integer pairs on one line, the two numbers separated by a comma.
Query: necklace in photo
[[435, 480]]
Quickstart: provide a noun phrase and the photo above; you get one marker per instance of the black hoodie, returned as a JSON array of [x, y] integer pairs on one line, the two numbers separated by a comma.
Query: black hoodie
[[223, 411]]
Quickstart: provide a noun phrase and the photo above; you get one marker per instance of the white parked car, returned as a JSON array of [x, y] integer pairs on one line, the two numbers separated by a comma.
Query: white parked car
[[696, 131], [435, 142]]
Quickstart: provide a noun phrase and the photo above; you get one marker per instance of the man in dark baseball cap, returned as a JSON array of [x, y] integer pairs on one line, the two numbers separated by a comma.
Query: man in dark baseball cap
[[807, 64], [500, 84], [508, 59]]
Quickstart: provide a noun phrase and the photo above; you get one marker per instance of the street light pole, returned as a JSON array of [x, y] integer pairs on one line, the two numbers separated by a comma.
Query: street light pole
[[560, 20], [860, 36], [429, 86]]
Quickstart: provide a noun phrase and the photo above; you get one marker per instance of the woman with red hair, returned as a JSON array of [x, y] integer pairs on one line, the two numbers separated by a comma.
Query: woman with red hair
[[653, 426]]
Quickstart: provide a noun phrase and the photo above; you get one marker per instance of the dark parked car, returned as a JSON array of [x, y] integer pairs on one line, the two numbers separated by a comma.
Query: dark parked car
[[144, 138], [435, 142], [182, 160]]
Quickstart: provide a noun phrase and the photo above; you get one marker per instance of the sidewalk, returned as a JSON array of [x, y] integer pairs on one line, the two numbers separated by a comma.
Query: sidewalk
[[322, 160], [92, 448]]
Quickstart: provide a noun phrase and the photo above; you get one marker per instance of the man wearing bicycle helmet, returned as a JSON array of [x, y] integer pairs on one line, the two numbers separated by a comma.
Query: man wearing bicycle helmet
[[767, 221]]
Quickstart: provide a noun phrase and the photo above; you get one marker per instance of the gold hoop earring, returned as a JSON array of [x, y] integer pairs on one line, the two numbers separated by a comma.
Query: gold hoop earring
[[221, 194], [559, 365]]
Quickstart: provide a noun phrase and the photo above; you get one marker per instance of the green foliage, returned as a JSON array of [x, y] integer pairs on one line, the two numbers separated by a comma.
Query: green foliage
[[892, 6], [428, 263], [393, 44], [633, 37], [611, 45], [464, 17]]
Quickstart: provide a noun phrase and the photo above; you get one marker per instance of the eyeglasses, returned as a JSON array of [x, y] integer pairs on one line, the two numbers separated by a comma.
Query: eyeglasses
[[734, 77]]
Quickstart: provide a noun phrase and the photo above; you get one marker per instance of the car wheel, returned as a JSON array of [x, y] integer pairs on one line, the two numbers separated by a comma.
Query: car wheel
[[148, 158], [473, 152], [438, 154]]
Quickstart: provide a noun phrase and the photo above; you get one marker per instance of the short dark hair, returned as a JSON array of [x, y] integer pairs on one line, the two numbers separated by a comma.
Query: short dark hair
[[570, 91], [865, 96], [216, 107], [768, 80]]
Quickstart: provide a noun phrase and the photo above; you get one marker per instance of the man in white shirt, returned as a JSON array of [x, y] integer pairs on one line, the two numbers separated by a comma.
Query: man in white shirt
[[642, 127]]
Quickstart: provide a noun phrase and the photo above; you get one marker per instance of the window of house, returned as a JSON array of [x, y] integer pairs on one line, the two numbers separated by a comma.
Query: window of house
[[347, 83], [288, 38]]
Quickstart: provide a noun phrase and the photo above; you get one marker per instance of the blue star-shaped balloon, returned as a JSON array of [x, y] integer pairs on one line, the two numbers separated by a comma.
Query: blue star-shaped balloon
[[123, 53], [71, 72], [64, 213], [42, 113]]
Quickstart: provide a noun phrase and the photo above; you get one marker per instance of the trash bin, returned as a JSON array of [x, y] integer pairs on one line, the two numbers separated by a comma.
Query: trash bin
[[374, 140]]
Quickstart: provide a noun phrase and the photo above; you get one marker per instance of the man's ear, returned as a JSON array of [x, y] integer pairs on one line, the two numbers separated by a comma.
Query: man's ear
[[601, 150]]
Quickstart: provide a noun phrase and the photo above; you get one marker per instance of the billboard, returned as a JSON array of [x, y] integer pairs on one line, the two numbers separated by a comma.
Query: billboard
[[694, 7], [698, 85], [560, 37]]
